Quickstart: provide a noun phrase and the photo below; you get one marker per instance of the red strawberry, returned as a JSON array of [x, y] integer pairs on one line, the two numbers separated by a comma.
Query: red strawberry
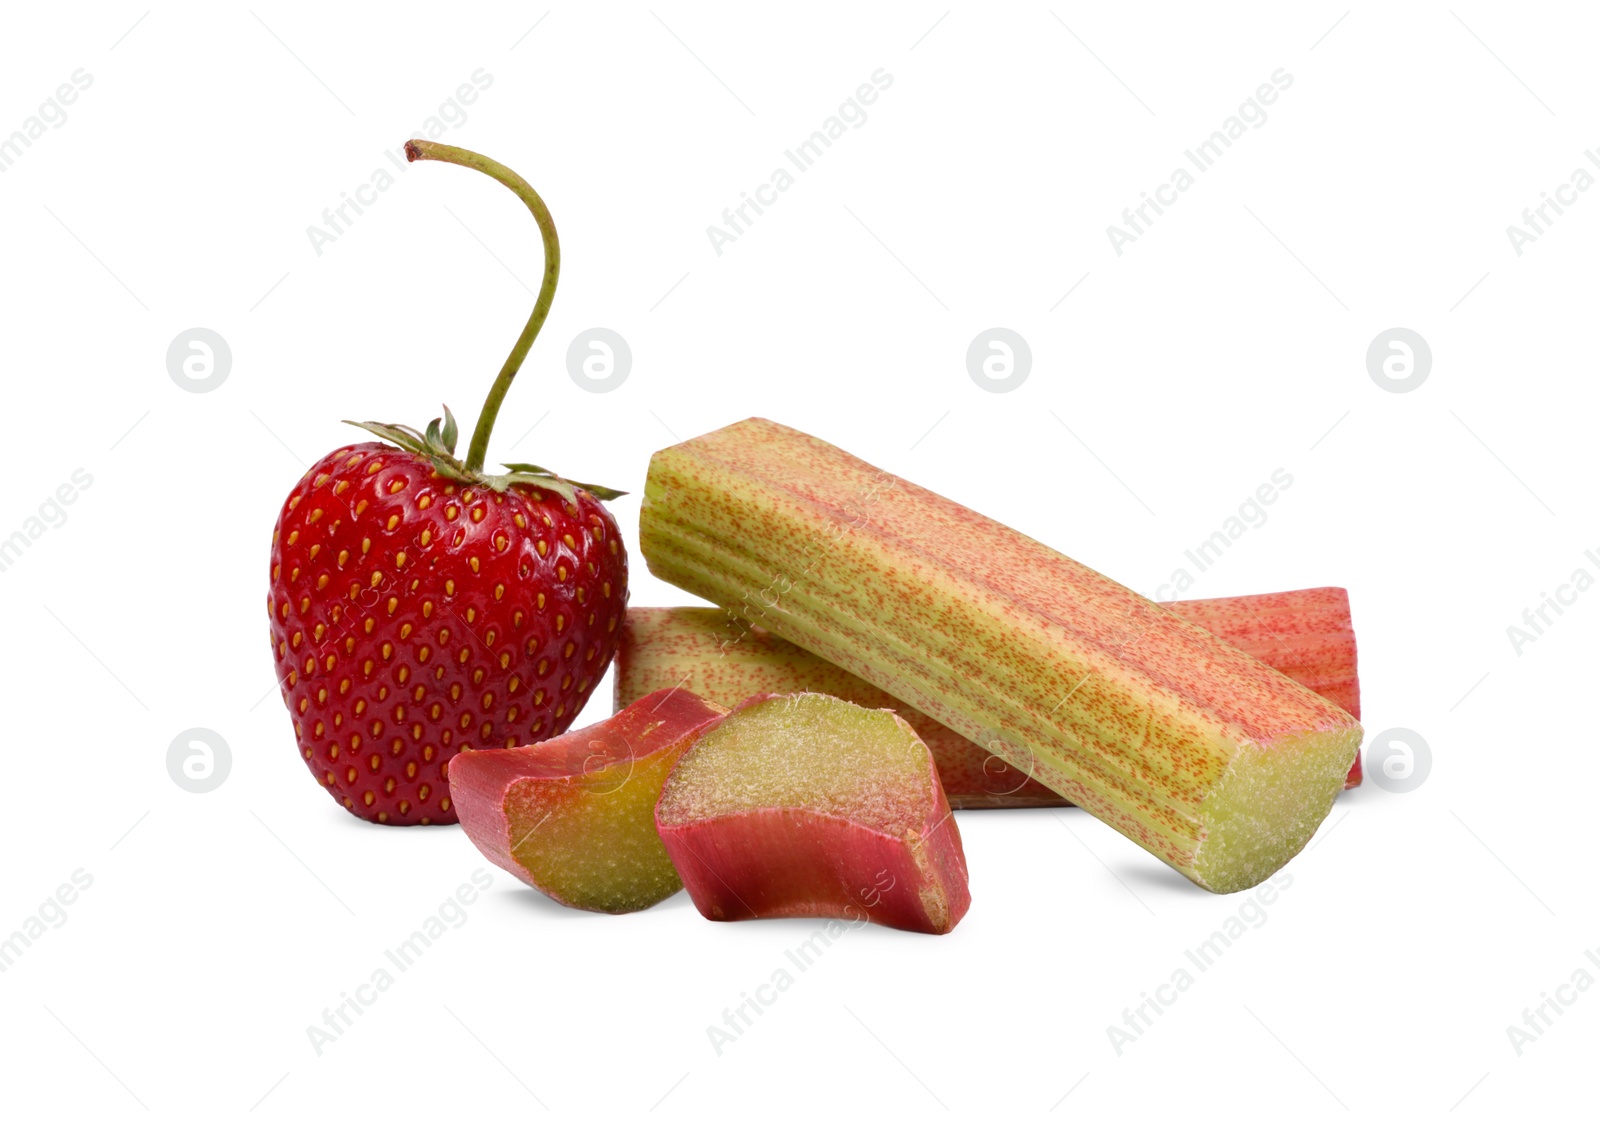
[[421, 607]]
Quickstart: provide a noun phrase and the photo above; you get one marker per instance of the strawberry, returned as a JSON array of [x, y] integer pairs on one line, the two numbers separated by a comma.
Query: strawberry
[[422, 607]]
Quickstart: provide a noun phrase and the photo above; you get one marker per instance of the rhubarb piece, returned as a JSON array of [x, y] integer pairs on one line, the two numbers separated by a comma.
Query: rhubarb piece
[[806, 805], [574, 816], [1306, 634], [725, 660], [1202, 754]]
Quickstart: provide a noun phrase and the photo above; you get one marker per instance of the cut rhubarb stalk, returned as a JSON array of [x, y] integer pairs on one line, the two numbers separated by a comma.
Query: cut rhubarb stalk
[[806, 805], [1306, 634], [1200, 753], [725, 660], [574, 816]]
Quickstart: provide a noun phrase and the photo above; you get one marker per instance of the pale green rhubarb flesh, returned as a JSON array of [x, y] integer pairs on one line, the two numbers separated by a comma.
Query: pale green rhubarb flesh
[[1202, 754], [726, 660], [1305, 633], [806, 805], [574, 816]]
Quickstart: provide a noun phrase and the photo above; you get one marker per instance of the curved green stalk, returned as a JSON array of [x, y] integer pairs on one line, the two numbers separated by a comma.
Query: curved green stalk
[[478, 450]]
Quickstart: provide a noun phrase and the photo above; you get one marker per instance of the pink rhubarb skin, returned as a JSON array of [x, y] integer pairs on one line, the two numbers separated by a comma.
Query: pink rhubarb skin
[[1305, 633], [1195, 750], [900, 865], [573, 816]]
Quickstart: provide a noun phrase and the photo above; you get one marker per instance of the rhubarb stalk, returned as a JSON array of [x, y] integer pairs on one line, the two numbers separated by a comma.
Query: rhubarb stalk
[[806, 805], [1305, 633], [1200, 753]]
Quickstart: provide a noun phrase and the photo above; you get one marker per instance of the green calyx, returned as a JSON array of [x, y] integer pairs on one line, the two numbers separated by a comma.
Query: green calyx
[[438, 443]]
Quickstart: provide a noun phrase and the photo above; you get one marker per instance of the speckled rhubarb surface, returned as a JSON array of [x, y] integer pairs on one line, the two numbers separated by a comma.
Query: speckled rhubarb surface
[[1304, 633], [808, 805], [1199, 752], [725, 660], [574, 816]]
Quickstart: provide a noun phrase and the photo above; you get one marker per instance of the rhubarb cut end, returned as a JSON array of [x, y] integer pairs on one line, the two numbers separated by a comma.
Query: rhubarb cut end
[[726, 660], [1123, 707], [1268, 805], [770, 758], [589, 842], [805, 805], [574, 816]]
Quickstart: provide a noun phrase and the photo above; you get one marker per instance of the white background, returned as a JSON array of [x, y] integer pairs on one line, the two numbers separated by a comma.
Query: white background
[[1227, 342]]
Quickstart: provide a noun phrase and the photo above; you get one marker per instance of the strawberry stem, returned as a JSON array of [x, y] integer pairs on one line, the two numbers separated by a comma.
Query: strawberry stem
[[478, 450]]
